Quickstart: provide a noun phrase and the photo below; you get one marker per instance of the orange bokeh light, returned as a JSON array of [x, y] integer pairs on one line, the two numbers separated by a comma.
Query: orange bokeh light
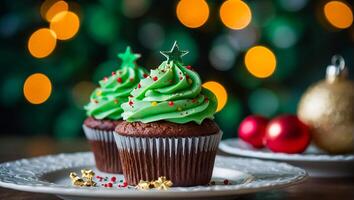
[[37, 88], [219, 92], [56, 8], [338, 14], [65, 24], [235, 14], [260, 61], [42, 43], [192, 14]]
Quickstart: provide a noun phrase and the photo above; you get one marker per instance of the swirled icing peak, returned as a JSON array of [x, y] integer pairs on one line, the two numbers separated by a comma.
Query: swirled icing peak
[[106, 100], [172, 92]]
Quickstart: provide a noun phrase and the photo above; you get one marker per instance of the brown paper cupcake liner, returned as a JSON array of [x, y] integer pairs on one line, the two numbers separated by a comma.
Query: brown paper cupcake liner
[[104, 149], [187, 161]]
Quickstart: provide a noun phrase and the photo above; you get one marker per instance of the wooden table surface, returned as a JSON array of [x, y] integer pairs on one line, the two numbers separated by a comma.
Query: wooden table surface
[[15, 148]]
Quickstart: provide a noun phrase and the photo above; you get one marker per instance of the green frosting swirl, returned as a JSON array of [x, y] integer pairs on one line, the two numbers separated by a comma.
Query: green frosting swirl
[[106, 100], [172, 92]]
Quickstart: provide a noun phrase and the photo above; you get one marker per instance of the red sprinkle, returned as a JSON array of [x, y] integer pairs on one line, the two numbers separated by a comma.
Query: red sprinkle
[[226, 182], [189, 67], [131, 79], [170, 103], [145, 75], [96, 101], [105, 185], [110, 184], [194, 100], [98, 177], [113, 73], [139, 86], [180, 78], [125, 184], [206, 99], [131, 103], [119, 79], [187, 76], [154, 78], [113, 179], [105, 78]]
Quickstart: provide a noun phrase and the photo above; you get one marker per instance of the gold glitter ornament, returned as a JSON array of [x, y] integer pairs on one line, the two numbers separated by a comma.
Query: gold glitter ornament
[[327, 107]]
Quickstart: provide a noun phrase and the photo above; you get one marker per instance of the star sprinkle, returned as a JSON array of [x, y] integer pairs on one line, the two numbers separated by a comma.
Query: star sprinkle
[[86, 180], [128, 57], [174, 54], [154, 103], [162, 183]]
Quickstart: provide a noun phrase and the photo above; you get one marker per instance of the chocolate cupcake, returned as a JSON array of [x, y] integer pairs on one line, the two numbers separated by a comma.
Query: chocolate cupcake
[[104, 111], [168, 128]]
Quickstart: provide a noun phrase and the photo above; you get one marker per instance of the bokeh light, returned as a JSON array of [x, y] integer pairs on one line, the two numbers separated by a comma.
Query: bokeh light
[[104, 33], [37, 88], [338, 14], [264, 102], [235, 14], [243, 39], [219, 92], [292, 5], [192, 14], [42, 43], [81, 92], [65, 24], [151, 35], [284, 32], [56, 8], [260, 61], [222, 57], [135, 8]]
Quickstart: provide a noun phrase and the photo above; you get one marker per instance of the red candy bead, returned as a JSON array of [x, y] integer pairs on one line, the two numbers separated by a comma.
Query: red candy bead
[[170, 103], [226, 182], [154, 78], [113, 179], [119, 79], [145, 75], [110, 184]]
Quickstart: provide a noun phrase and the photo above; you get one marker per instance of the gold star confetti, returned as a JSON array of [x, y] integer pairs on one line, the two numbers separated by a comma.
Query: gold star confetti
[[86, 180], [161, 184], [154, 103]]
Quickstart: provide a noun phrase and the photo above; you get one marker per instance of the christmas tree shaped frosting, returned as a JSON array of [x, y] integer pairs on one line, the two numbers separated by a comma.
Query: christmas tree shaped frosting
[[106, 100], [172, 92]]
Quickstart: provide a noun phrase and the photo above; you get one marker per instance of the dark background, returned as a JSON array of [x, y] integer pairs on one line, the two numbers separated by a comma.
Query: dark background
[[107, 26]]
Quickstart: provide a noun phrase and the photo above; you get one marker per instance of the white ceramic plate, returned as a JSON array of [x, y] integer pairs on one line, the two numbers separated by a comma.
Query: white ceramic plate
[[313, 160], [49, 174]]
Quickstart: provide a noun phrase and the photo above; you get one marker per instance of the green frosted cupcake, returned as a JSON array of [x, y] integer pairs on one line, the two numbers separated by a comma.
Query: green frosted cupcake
[[169, 128], [105, 113]]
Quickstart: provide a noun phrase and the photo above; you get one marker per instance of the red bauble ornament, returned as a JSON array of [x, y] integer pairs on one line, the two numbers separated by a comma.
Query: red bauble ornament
[[287, 134], [252, 130]]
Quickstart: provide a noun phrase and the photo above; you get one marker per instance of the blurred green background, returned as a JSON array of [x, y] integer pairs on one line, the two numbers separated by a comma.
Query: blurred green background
[[302, 39]]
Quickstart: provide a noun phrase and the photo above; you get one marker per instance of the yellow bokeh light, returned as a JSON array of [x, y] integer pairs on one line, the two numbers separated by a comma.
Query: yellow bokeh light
[[37, 88], [235, 14], [192, 13], [65, 24], [42, 42], [219, 92], [338, 14], [56, 8], [260, 61]]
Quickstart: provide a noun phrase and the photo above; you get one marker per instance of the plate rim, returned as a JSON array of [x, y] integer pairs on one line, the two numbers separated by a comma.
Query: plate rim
[[226, 147], [300, 176]]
